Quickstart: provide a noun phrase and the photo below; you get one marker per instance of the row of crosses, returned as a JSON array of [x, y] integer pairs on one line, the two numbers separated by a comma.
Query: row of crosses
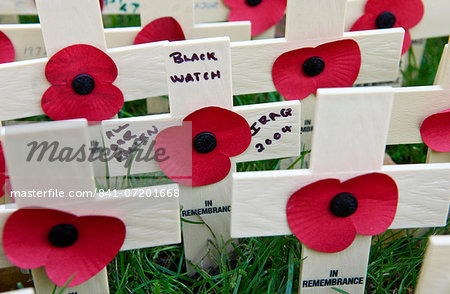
[[246, 65]]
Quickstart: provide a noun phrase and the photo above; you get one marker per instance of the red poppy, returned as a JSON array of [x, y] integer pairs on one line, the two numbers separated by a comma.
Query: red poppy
[[161, 29], [382, 14], [327, 215], [7, 53], [435, 131], [263, 14], [199, 151], [81, 78], [298, 73], [68, 246], [2, 172]]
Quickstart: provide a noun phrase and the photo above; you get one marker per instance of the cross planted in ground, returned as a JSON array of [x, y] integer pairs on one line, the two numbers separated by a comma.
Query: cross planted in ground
[[150, 221], [351, 129], [199, 76]]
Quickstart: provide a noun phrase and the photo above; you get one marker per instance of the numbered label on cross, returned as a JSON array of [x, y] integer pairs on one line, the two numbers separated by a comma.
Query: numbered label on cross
[[346, 196], [199, 142], [52, 181]]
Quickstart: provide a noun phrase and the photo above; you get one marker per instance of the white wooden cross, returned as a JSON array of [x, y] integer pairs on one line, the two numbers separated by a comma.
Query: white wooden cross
[[435, 273], [71, 22], [310, 23], [29, 44], [274, 126], [350, 137], [150, 221], [435, 21]]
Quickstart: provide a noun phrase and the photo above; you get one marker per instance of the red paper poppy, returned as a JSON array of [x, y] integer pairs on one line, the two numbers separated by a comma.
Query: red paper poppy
[[199, 151], [68, 246], [435, 131], [161, 29], [2, 172], [382, 14], [7, 52], [263, 14], [81, 78], [327, 215], [298, 73]]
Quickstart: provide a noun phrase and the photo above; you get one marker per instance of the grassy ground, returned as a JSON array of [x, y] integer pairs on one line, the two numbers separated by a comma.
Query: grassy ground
[[271, 264]]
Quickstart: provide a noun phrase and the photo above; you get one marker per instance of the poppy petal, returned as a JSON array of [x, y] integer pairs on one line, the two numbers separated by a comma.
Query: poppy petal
[[406, 42], [435, 131], [342, 64], [62, 102], [188, 167], [80, 59], [262, 16], [176, 143], [312, 222], [2, 171], [161, 29], [365, 22], [232, 131], [100, 239], [377, 196], [7, 52], [25, 235], [408, 13]]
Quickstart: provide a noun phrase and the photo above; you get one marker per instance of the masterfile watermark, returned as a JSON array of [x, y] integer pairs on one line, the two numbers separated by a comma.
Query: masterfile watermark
[[53, 151]]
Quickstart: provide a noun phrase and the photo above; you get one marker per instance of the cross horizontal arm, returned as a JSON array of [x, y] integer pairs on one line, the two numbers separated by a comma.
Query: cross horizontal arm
[[252, 60], [150, 220], [259, 198], [24, 82], [288, 144], [412, 105]]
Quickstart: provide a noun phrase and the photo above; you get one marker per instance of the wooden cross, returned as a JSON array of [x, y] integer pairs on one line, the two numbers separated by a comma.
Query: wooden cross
[[435, 22], [351, 129], [150, 221], [139, 67], [29, 43], [205, 67], [310, 23], [434, 275]]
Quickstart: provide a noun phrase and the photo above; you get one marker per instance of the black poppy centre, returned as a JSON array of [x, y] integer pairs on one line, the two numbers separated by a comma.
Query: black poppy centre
[[343, 204], [63, 235], [205, 142], [385, 20], [253, 2], [313, 66], [83, 84]]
